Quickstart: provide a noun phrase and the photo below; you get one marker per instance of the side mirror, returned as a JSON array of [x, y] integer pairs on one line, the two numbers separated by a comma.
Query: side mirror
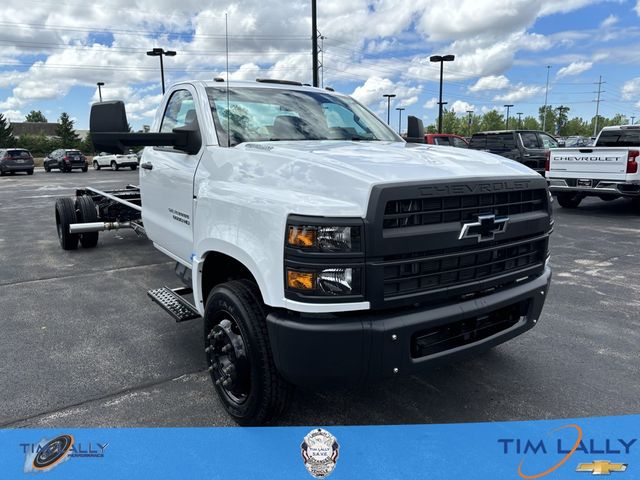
[[415, 130], [110, 132]]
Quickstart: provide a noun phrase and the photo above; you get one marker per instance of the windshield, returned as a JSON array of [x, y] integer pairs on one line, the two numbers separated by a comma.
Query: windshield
[[267, 114]]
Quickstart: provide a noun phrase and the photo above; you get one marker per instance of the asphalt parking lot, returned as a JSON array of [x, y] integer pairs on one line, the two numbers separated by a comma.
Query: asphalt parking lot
[[82, 345]]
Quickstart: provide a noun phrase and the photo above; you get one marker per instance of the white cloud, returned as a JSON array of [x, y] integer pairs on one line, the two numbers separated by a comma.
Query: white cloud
[[431, 103], [519, 92], [491, 82], [461, 107], [370, 93], [610, 21], [574, 68], [631, 89], [14, 115]]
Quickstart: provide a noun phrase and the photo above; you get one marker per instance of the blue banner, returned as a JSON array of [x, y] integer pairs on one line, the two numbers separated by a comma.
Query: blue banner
[[572, 448]]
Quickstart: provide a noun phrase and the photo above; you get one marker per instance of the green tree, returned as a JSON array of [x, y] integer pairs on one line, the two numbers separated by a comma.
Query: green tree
[[35, 116], [86, 145], [492, 120], [66, 132], [550, 124], [450, 122], [530, 123], [6, 133], [561, 119]]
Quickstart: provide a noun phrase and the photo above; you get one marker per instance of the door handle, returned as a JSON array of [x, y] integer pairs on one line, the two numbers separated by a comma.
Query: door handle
[[147, 165]]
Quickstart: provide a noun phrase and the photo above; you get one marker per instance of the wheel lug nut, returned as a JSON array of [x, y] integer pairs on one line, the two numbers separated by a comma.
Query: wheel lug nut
[[227, 382], [226, 348], [229, 369]]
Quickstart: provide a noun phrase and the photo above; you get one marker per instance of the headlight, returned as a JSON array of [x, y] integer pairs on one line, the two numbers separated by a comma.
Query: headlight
[[325, 281], [324, 238]]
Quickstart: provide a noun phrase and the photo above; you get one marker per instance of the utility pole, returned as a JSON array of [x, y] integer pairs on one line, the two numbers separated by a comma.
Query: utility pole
[[546, 95], [399, 119], [470, 112], [595, 123], [314, 42], [507, 122], [519, 119], [322, 37]]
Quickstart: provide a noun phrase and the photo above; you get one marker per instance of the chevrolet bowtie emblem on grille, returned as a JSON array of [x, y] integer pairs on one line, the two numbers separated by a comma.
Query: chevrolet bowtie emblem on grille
[[485, 228], [601, 467]]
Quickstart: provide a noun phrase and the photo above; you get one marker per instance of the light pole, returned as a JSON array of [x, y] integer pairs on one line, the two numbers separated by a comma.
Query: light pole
[[519, 119], [389, 97], [546, 94], [100, 85], [399, 119], [632, 119], [441, 59], [508, 107], [470, 112], [160, 52]]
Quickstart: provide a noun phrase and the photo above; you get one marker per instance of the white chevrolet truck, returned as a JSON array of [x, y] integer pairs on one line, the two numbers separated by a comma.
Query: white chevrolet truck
[[608, 170], [319, 247]]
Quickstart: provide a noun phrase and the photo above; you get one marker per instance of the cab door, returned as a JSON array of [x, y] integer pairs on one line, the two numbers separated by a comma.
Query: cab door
[[166, 181]]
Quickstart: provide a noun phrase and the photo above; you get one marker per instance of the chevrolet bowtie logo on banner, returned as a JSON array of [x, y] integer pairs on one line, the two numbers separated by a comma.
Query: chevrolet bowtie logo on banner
[[601, 467], [485, 228]]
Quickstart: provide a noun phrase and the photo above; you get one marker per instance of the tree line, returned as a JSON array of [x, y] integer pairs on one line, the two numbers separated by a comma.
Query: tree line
[[557, 122]]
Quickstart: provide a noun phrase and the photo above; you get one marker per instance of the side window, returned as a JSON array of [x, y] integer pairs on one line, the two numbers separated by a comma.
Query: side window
[[548, 141], [529, 140], [479, 141], [459, 143], [501, 142], [442, 141], [179, 112]]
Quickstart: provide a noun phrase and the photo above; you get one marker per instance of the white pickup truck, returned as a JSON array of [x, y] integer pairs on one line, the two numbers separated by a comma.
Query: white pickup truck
[[318, 246], [608, 170]]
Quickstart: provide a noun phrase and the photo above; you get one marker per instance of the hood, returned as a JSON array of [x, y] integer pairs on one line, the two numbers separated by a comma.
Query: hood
[[341, 173]]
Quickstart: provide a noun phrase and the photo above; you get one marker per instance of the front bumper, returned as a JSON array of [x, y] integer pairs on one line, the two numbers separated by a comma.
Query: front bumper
[[127, 164], [318, 351]]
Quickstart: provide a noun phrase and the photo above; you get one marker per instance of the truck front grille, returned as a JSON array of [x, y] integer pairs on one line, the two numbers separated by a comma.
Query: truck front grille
[[430, 211], [438, 272]]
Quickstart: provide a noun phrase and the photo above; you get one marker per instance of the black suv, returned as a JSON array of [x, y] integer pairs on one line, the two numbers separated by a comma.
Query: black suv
[[65, 160], [16, 160], [528, 147]]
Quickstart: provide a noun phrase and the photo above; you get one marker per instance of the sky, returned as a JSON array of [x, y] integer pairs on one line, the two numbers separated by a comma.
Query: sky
[[55, 51]]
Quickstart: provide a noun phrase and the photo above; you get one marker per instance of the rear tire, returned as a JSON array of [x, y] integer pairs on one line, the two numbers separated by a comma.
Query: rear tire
[[96, 165], [86, 213], [134, 167], [65, 216], [114, 166], [569, 200], [235, 334], [29, 172], [47, 168], [608, 198]]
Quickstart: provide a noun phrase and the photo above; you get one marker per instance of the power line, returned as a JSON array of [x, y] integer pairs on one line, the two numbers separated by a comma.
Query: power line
[[595, 123]]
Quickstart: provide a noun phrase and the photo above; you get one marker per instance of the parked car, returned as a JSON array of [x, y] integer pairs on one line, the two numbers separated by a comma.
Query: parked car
[[16, 160], [528, 147], [577, 141], [65, 160], [115, 162], [446, 139]]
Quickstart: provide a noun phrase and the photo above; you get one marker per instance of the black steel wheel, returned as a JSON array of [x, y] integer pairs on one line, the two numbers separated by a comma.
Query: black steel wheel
[[239, 355], [65, 216], [87, 213]]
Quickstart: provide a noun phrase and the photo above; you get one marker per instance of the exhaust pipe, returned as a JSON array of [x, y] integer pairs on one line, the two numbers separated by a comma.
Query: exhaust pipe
[[97, 226]]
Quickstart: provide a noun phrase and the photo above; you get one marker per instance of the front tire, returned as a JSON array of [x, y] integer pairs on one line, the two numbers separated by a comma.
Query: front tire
[[239, 354], [114, 165], [47, 168], [65, 216], [96, 165], [29, 172], [569, 200], [134, 167]]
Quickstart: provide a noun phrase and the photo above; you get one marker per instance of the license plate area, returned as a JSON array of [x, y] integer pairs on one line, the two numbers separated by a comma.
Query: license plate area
[[584, 182]]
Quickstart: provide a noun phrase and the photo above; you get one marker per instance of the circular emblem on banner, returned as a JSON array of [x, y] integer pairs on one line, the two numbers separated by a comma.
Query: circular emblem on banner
[[53, 452], [320, 452]]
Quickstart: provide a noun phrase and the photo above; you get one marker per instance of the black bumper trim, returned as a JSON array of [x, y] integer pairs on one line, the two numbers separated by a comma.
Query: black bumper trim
[[319, 351]]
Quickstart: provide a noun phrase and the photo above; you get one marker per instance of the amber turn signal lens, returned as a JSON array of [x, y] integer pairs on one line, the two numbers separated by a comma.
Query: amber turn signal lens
[[301, 236], [300, 280]]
